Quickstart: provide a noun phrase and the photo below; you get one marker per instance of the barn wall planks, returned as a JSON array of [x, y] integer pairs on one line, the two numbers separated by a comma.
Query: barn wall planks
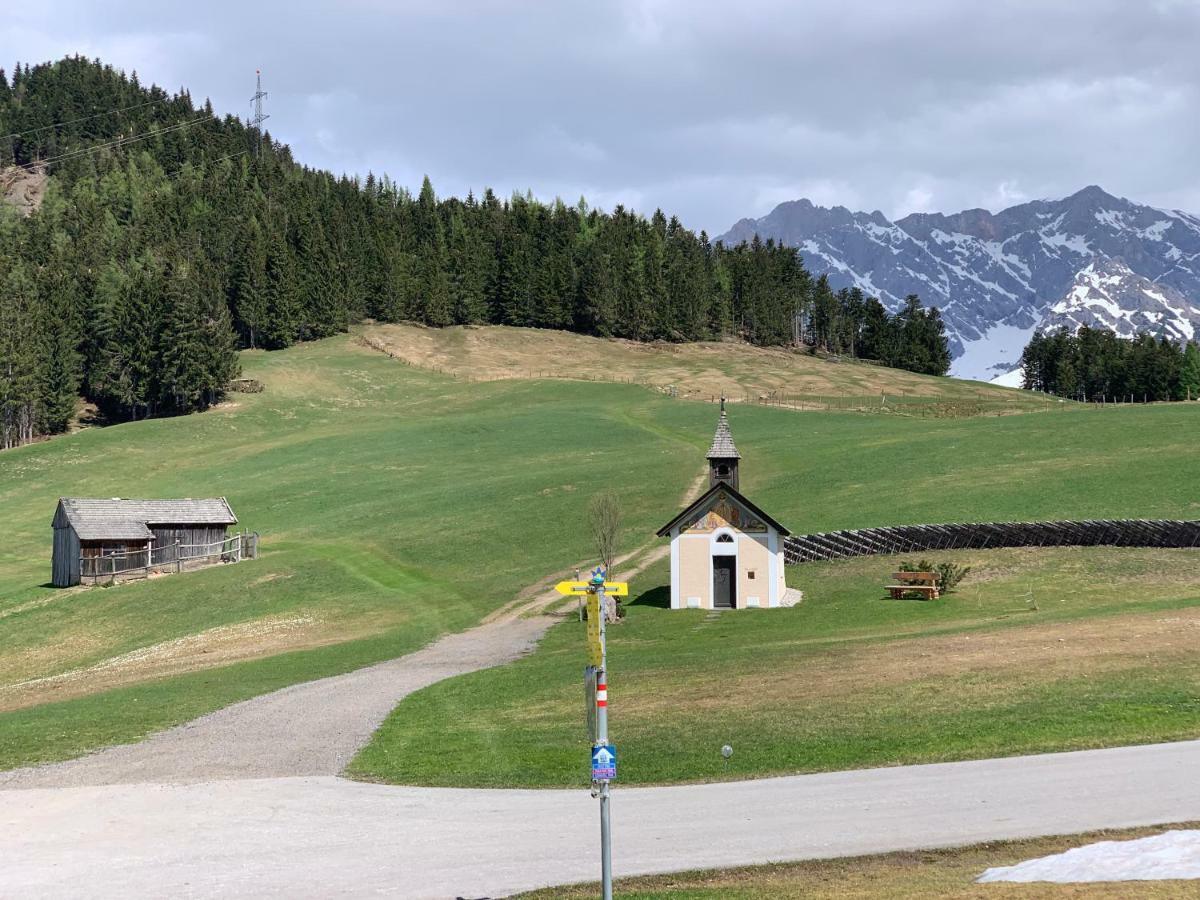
[[65, 566], [802, 548], [167, 536]]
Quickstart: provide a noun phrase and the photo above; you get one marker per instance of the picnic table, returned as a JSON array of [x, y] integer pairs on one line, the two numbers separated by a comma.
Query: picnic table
[[914, 582]]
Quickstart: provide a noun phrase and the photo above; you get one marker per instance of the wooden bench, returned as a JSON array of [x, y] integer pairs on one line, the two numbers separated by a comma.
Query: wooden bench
[[914, 582]]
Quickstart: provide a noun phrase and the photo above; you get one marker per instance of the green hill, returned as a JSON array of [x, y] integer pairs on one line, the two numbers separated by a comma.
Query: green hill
[[390, 500], [164, 236]]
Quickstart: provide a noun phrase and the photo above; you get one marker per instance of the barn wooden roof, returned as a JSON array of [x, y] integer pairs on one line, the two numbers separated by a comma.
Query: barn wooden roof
[[124, 520]]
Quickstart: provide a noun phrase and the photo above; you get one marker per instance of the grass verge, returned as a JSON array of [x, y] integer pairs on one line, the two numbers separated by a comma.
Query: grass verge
[[933, 874]]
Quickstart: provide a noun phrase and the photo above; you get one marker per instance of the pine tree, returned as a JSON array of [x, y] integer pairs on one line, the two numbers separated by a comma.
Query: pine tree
[[937, 343], [60, 359], [19, 359], [465, 275], [249, 298], [1189, 376], [124, 383], [278, 328], [183, 378]]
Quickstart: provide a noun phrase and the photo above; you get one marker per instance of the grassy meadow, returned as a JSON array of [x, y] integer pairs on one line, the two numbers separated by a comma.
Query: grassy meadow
[[389, 500], [397, 503], [1037, 650]]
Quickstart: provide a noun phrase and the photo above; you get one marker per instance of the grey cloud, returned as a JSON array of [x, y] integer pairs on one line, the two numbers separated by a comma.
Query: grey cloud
[[711, 111]]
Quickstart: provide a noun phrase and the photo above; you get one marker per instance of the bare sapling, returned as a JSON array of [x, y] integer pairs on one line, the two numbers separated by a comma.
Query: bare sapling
[[604, 518]]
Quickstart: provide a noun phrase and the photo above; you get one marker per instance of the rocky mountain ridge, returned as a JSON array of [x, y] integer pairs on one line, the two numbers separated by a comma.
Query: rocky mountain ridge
[[999, 276]]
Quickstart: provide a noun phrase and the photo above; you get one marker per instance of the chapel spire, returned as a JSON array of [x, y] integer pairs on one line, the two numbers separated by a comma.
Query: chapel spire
[[723, 456]]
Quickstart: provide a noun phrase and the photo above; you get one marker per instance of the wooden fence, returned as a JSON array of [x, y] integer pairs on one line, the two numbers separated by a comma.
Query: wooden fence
[[167, 558], [804, 548]]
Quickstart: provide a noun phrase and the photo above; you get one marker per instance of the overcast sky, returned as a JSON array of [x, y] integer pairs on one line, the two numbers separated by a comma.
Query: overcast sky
[[712, 111]]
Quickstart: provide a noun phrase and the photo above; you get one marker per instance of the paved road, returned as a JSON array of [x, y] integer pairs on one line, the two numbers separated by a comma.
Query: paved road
[[327, 837], [306, 729]]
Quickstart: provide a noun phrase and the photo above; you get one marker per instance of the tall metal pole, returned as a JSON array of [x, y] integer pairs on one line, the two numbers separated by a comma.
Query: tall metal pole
[[602, 740], [259, 116]]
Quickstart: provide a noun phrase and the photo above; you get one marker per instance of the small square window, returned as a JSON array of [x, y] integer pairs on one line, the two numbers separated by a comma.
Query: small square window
[[750, 574]]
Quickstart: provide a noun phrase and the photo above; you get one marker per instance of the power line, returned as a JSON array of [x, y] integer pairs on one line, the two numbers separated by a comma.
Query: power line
[[206, 162], [170, 176], [119, 142], [87, 118]]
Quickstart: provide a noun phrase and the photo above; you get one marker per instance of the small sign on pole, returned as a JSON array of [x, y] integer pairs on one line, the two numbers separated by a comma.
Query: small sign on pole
[[604, 762]]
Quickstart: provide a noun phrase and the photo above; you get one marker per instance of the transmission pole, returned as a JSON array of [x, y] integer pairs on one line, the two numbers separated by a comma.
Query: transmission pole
[[259, 116]]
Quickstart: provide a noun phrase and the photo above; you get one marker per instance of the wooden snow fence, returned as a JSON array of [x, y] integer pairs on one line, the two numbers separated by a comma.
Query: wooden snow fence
[[802, 548]]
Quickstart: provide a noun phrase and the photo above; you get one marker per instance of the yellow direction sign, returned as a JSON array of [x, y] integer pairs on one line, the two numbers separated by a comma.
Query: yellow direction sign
[[595, 645], [567, 588], [612, 588]]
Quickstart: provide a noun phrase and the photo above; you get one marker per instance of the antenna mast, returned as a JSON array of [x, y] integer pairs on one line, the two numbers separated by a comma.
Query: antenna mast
[[259, 116]]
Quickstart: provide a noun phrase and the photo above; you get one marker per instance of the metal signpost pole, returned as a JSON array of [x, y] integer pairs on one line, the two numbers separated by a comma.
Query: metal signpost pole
[[604, 755], [602, 741]]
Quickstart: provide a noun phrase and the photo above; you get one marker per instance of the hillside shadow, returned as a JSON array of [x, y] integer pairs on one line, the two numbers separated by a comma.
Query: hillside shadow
[[91, 416], [657, 597]]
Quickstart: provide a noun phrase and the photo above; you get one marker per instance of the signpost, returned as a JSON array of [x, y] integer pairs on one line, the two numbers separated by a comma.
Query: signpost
[[604, 754]]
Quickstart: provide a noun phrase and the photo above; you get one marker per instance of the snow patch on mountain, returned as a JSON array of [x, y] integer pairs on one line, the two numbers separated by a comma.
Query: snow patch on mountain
[[998, 350], [1013, 379]]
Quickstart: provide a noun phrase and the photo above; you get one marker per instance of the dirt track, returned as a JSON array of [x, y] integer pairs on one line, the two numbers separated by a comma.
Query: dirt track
[[306, 729]]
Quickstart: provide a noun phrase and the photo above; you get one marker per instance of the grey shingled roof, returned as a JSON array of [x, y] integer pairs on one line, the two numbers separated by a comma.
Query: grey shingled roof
[[722, 445], [119, 519]]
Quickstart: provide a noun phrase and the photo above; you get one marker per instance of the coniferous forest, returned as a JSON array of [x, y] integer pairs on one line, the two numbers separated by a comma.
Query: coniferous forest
[[169, 237], [1094, 364]]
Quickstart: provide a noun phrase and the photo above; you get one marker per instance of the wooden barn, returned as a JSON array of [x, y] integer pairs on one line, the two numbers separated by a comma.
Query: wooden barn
[[103, 539]]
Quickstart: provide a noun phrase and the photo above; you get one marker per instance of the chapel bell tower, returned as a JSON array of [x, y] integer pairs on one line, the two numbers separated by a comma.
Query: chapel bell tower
[[723, 456]]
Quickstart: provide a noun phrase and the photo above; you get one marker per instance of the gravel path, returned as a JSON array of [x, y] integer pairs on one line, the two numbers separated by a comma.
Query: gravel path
[[306, 729]]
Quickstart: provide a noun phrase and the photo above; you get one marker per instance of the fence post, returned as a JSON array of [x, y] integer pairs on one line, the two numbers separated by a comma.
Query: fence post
[[178, 559]]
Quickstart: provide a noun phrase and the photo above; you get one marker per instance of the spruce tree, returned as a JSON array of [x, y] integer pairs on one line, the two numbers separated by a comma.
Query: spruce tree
[[278, 328], [183, 349], [1189, 376], [60, 359], [250, 285], [19, 359]]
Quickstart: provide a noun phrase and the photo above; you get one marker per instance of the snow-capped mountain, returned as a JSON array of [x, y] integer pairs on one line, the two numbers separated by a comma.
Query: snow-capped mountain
[[1108, 294], [997, 277]]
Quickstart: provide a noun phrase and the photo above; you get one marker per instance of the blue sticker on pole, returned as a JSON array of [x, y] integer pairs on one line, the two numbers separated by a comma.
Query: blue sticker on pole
[[604, 763]]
